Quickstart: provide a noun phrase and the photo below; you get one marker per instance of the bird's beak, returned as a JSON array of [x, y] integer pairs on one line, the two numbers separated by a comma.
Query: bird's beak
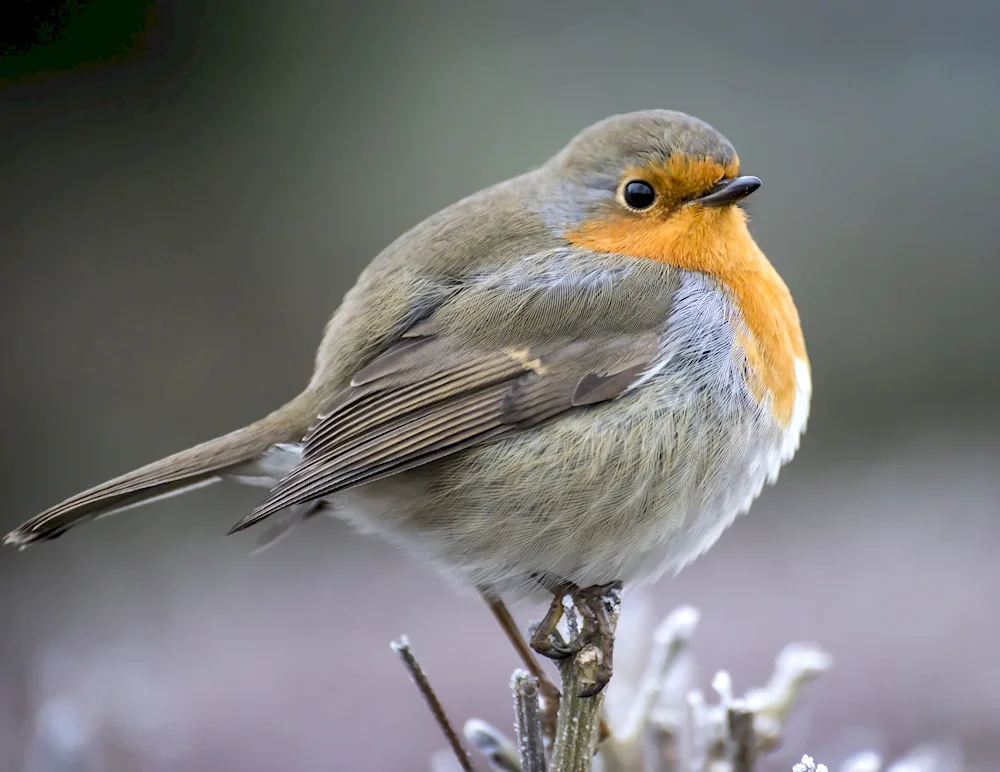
[[729, 191]]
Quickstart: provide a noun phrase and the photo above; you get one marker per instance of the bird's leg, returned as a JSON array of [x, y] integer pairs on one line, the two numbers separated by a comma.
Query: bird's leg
[[598, 632], [546, 639]]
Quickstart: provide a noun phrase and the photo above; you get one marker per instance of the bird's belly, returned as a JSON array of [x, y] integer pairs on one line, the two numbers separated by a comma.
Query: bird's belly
[[622, 491]]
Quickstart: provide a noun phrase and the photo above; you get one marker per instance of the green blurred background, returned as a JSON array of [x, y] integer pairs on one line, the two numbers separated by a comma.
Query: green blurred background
[[189, 188]]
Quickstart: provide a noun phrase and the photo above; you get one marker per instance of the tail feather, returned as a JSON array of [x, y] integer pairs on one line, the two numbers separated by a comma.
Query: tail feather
[[183, 471]]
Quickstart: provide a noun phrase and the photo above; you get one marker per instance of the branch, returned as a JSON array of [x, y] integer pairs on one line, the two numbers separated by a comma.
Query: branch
[[669, 726], [549, 691], [742, 740], [670, 641], [797, 665], [579, 717], [528, 721], [417, 675]]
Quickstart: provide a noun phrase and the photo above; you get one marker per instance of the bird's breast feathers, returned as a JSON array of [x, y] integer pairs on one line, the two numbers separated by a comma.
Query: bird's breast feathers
[[711, 351], [717, 243]]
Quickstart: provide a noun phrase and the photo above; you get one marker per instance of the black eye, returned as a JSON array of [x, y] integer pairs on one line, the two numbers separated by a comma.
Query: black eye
[[639, 194]]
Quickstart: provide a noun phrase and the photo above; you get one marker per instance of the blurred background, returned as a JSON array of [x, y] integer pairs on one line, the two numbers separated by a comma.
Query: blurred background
[[189, 188]]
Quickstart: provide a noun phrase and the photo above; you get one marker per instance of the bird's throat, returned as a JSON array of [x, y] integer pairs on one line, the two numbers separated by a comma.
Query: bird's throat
[[717, 242]]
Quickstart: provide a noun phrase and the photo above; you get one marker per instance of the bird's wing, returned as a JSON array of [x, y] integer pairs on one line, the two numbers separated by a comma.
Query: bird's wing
[[431, 395]]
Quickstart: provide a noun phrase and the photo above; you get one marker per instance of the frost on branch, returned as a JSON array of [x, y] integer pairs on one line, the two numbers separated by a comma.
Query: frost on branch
[[661, 722]]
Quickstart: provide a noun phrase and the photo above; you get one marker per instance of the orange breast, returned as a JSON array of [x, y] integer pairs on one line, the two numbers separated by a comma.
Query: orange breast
[[718, 242]]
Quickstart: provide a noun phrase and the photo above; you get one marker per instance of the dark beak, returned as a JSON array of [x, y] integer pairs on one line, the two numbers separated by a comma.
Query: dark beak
[[730, 191]]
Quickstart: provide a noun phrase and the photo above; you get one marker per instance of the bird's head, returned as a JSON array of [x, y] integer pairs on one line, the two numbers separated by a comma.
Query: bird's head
[[637, 173]]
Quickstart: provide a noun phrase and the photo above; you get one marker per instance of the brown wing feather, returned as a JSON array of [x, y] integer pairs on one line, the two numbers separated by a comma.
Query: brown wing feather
[[373, 403], [431, 397]]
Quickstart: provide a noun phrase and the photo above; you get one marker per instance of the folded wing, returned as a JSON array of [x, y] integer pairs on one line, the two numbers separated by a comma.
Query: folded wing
[[432, 395]]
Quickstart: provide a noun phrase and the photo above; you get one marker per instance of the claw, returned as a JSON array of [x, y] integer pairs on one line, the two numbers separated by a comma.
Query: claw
[[546, 639], [553, 649]]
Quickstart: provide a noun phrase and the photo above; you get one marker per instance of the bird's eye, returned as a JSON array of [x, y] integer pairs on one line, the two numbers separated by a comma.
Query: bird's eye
[[638, 194]]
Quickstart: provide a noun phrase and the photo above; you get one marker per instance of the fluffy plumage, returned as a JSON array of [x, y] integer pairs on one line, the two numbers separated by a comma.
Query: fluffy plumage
[[537, 384]]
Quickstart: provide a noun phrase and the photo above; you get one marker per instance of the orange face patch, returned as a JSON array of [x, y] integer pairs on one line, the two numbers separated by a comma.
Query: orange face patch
[[682, 177], [716, 241]]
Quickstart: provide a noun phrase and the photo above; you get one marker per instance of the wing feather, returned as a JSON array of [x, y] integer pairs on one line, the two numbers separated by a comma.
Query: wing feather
[[433, 396], [377, 402]]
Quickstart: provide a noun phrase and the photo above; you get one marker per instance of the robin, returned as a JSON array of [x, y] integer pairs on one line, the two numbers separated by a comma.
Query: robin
[[572, 379]]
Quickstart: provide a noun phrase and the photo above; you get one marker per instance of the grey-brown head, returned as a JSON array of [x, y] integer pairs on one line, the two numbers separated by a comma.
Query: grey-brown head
[[647, 163]]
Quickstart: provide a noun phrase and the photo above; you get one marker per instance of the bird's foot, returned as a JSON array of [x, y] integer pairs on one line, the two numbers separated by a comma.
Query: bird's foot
[[594, 642], [596, 659], [546, 638]]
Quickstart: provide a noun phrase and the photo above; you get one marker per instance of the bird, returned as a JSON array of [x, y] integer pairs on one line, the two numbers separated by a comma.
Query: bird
[[573, 380]]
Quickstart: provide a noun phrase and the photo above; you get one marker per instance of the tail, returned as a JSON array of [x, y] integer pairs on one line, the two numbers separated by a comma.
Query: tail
[[192, 468]]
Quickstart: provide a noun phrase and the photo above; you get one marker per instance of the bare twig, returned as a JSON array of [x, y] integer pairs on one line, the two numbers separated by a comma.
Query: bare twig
[[669, 726], [649, 719], [500, 752], [417, 675], [797, 665], [742, 739], [524, 652], [576, 736], [549, 691], [528, 722], [670, 640]]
